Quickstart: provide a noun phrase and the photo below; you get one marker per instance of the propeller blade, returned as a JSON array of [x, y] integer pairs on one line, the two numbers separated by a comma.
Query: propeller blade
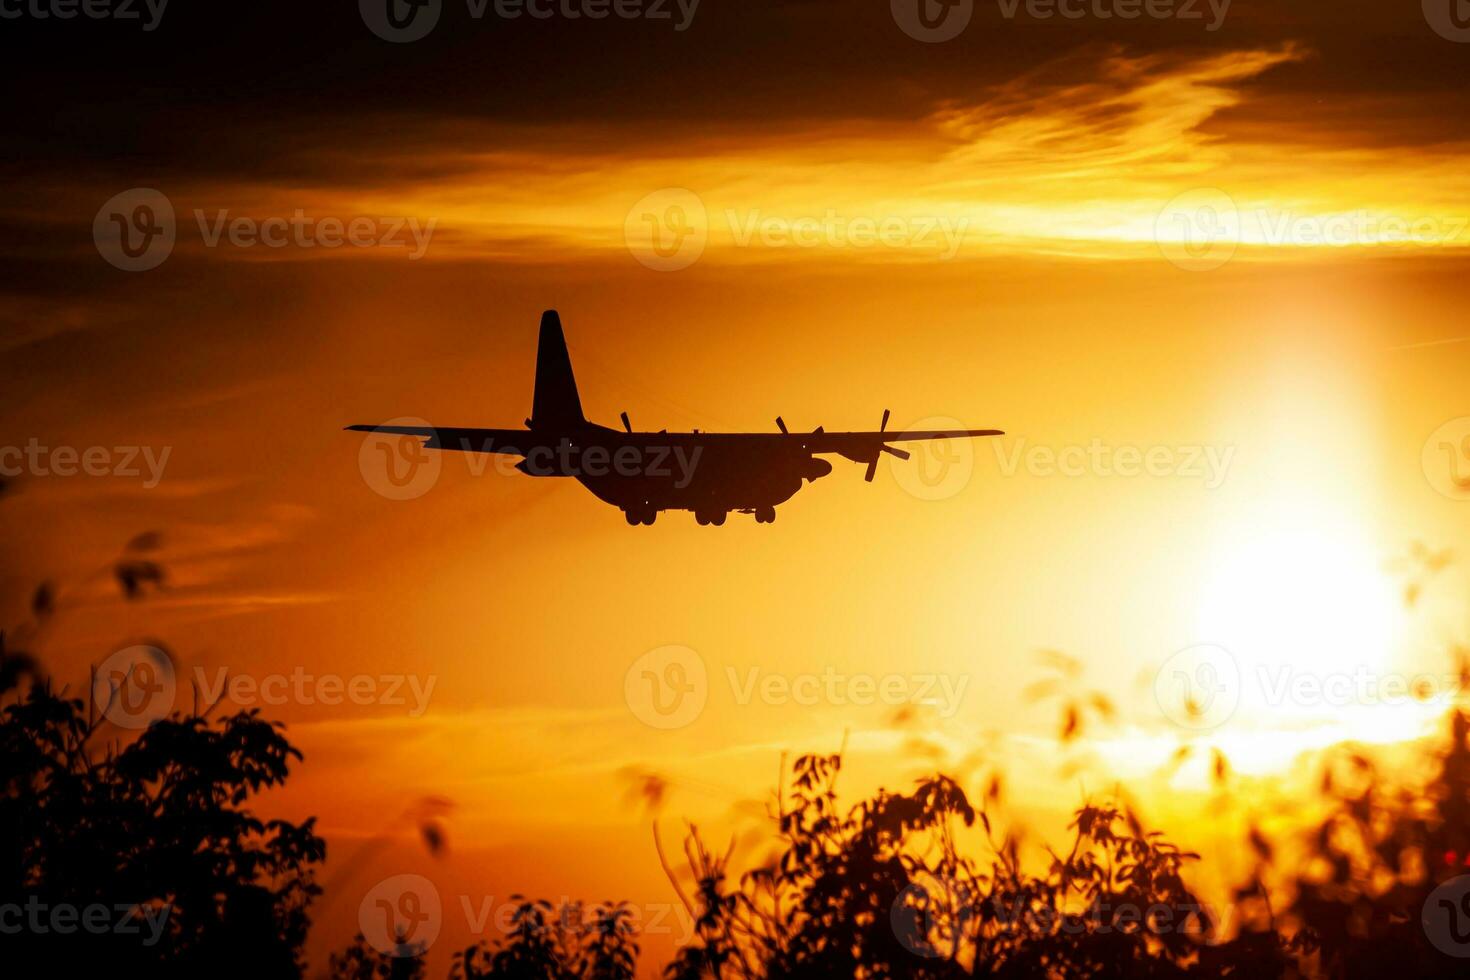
[[780, 424], [895, 451], [884, 426], [872, 469], [627, 424]]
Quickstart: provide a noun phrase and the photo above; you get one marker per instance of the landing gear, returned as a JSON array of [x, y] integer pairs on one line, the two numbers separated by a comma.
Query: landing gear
[[634, 516], [715, 517], [765, 515]]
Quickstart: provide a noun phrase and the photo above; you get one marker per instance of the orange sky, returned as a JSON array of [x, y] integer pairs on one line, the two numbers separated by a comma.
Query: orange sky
[[1296, 392]]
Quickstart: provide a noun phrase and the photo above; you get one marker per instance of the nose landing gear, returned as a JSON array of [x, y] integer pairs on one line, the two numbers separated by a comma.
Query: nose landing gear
[[765, 515], [715, 517], [635, 515]]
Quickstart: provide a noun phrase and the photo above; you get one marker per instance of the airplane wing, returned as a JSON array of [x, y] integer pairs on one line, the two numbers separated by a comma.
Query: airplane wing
[[864, 447], [836, 442], [860, 447], [514, 442]]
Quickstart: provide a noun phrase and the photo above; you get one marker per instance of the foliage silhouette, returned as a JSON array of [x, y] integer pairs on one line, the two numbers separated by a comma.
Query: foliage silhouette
[[140, 857], [154, 829], [361, 961], [557, 944]]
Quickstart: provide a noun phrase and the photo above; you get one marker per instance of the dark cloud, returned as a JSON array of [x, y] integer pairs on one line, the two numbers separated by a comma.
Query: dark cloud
[[291, 91]]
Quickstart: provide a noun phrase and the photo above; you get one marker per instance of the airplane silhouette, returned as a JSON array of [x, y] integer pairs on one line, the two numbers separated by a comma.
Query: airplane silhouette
[[642, 473]]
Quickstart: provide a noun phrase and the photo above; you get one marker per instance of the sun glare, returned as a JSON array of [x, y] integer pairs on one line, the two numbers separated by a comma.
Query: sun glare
[[1313, 622]]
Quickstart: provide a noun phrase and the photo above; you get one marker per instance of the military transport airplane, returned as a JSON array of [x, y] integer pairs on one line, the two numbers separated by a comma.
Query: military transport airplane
[[642, 473]]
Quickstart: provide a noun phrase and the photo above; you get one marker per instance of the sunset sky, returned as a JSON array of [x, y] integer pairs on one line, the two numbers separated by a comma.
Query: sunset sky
[[1242, 249]]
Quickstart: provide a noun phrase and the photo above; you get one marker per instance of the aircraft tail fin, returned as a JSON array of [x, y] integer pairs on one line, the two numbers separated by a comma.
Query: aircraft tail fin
[[555, 402]]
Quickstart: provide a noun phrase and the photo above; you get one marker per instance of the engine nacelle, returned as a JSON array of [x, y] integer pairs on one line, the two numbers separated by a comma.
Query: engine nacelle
[[816, 468]]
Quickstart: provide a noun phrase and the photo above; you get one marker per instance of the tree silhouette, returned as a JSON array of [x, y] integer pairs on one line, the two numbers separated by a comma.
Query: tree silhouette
[[361, 961], [556, 943], [139, 857], [136, 854]]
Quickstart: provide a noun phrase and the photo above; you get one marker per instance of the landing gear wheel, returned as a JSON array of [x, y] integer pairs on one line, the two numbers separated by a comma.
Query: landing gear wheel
[[639, 516], [765, 515], [701, 518], [718, 519]]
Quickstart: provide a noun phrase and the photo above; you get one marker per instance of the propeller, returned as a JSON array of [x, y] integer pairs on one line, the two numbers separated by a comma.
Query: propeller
[[873, 463], [626, 424], [780, 424]]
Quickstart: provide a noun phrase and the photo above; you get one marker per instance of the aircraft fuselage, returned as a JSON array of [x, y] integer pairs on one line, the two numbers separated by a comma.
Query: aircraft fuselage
[[642, 473]]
